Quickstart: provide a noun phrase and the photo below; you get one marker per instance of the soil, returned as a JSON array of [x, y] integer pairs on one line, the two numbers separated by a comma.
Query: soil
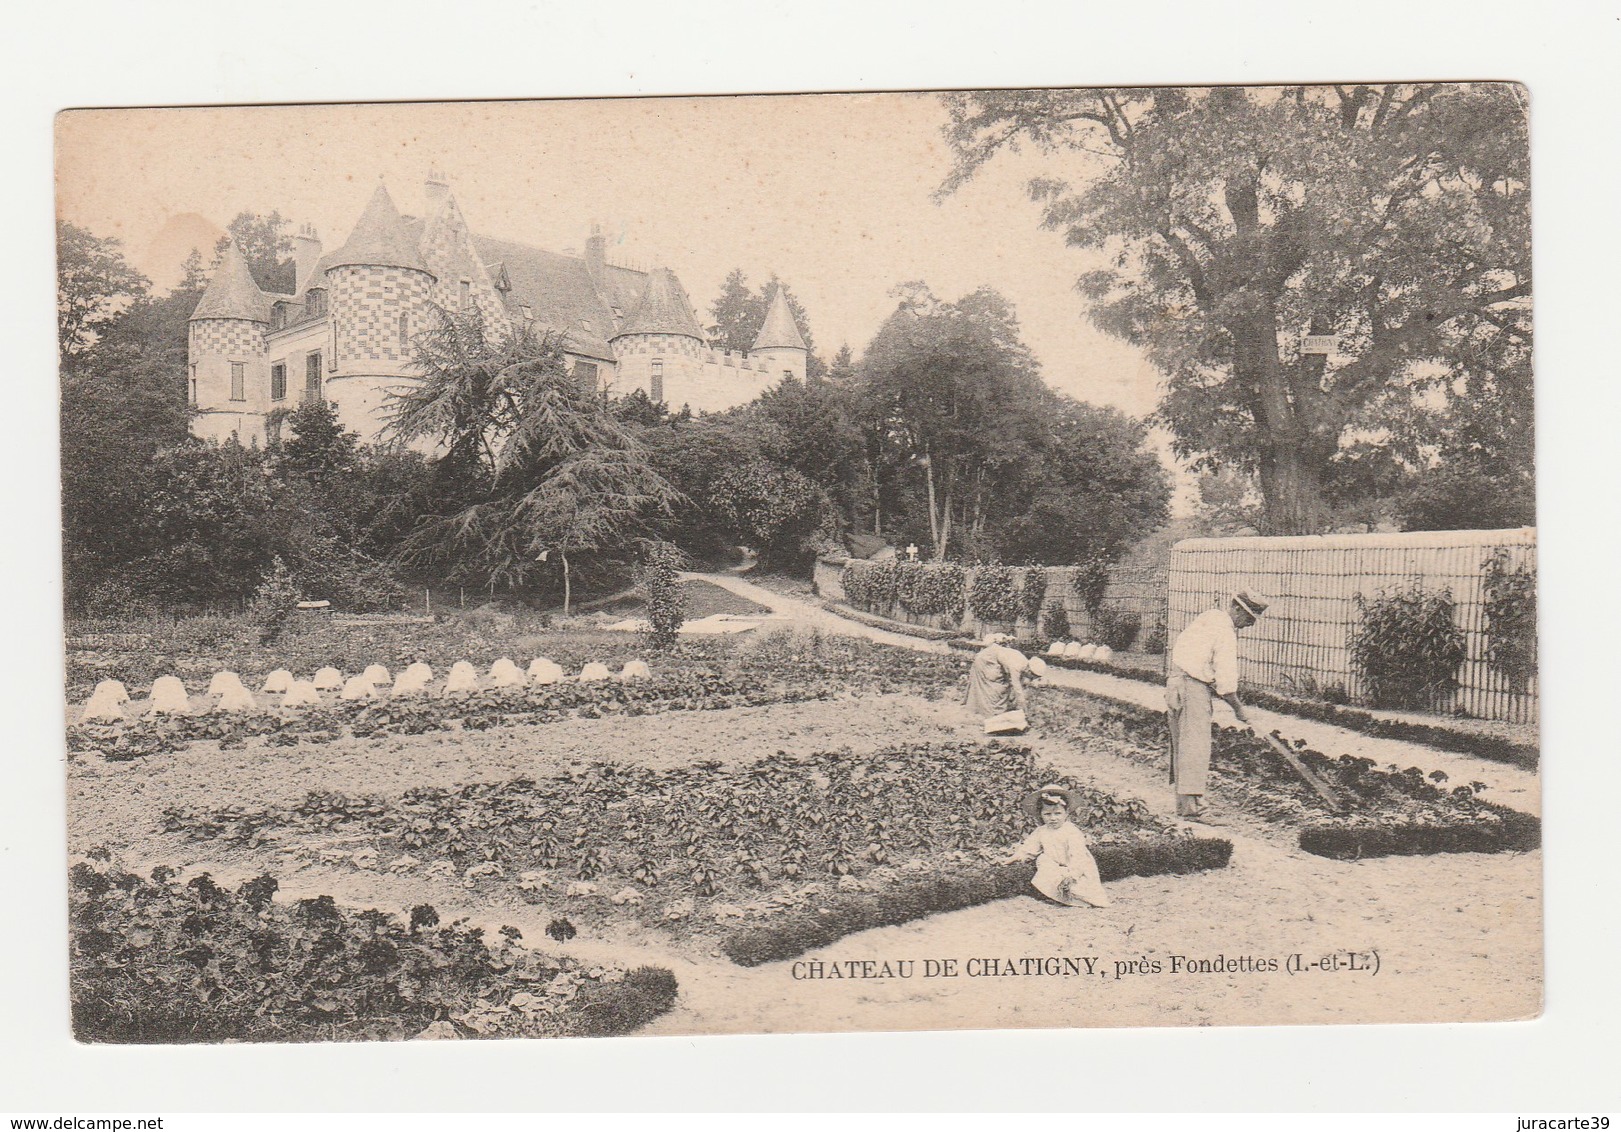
[[1455, 938]]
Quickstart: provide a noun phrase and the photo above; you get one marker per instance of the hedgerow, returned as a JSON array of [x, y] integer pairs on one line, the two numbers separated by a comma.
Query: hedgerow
[[922, 588], [153, 960], [950, 889]]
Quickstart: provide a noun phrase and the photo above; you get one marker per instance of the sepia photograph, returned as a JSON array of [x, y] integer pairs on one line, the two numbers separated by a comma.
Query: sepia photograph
[[982, 559]]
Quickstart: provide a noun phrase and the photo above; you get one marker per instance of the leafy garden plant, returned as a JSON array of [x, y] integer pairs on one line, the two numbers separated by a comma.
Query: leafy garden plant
[[1407, 647], [995, 596], [1511, 619]]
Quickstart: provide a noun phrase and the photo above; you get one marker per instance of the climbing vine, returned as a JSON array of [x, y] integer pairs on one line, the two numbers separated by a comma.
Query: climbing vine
[[1511, 618]]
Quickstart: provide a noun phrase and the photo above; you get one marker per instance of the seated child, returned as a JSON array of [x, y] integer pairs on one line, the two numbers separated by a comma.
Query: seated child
[[1065, 870]]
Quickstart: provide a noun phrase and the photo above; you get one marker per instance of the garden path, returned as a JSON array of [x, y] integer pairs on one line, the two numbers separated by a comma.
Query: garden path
[[1508, 785]]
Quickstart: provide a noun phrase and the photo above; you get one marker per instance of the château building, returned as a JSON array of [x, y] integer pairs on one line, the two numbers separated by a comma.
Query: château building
[[345, 332]]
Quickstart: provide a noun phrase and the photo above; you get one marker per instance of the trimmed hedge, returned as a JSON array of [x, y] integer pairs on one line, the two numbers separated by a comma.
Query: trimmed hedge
[[843, 914], [873, 621], [995, 596], [1515, 832]]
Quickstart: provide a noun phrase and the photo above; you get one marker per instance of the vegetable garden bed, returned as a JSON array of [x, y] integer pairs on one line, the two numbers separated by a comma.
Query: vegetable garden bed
[[782, 667], [851, 841], [1392, 811], [155, 961]]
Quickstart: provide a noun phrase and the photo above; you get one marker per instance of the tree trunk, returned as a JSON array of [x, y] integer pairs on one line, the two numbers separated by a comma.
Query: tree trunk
[[1289, 457], [567, 590]]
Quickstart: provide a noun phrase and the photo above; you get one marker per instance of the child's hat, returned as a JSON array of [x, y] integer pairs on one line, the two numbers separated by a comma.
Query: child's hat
[[1046, 795]]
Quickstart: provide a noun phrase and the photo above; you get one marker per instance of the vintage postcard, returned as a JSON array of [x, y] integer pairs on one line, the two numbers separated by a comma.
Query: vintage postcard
[[988, 559]]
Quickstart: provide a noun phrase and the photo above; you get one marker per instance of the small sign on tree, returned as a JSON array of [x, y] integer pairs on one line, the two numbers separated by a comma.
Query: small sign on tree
[[1318, 344]]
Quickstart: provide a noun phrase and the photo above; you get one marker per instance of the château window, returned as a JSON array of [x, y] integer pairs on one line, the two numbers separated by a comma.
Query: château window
[[239, 383], [405, 333], [465, 299], [585, 376], [278, 382], [315, 305], [193, 394], [312, 378], [656, 390]]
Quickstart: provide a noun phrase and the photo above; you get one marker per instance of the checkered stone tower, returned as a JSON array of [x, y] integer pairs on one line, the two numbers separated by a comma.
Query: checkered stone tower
[[381, 296], [228, 376]]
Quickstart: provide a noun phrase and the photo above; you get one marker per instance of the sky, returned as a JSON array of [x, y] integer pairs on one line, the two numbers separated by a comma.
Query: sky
[[834, 193]]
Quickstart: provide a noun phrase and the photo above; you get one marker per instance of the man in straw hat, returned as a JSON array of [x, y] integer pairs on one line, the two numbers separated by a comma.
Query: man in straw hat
[[1204, 665]]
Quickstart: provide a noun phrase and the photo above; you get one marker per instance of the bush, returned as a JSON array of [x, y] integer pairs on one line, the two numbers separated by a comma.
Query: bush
[[995, 597], [1511, 619], [1154, 639], [1407, 647], [1090, 580], [1118, 630], [1032, 592], [1055, 623], [274, 602], [665, 609]]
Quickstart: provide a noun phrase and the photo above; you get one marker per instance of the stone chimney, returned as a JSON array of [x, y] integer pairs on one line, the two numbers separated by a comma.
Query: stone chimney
[[306, 254], [434, 191], [596, 258]]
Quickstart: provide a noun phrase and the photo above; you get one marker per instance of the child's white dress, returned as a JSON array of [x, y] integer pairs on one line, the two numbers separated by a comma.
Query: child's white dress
[[1061, 855]]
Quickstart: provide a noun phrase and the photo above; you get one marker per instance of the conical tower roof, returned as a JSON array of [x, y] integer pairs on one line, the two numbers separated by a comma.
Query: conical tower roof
[[231, 291], [380, 238], [664, 309], [779, 331]]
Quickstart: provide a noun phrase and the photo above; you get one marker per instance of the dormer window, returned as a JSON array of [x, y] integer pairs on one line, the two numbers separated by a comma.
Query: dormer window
[[278, 316], [528, 313], [464, 299], [585, 322], [618, 313], [315, 304]]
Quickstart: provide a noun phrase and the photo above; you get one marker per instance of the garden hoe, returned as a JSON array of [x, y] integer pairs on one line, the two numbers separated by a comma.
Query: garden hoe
[[1312, 780]]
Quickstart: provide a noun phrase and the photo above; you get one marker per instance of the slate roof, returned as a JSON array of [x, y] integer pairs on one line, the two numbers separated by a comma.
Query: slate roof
[[779, 330], [558, 291], [231, 291], [380, 237], [664, 308]]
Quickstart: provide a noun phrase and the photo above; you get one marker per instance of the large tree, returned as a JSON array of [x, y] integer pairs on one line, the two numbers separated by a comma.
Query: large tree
[[544, 467], [1231, 223], [94, 284], [951, 398]]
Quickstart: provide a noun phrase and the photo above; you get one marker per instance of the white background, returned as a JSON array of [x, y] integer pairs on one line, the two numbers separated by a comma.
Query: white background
[[108, 54]]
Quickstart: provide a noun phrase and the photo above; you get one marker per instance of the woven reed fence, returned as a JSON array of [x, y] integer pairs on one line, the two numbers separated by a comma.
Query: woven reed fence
[[1302, 645]]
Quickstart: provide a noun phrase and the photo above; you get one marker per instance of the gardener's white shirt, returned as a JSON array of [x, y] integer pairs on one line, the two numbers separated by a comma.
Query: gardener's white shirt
[[1207, 650]]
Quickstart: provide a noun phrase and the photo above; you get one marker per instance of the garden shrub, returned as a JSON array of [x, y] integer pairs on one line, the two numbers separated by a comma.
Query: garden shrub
[[909, 586], [995, 598], [1154, 640], [1407, 647], [1090, 580], [1117, 629], [930, 589], [665, 605], [1032, 593], [1055, 623], [275, 601], [1511, 619]]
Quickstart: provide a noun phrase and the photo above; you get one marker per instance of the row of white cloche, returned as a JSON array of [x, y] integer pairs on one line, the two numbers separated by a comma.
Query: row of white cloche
[[1075, 650], [169, 696]]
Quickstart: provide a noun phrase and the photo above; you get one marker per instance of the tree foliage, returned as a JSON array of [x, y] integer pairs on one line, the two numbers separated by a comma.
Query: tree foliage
[[267, 245], [93, 285], [544, 465], [1230, 223]]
